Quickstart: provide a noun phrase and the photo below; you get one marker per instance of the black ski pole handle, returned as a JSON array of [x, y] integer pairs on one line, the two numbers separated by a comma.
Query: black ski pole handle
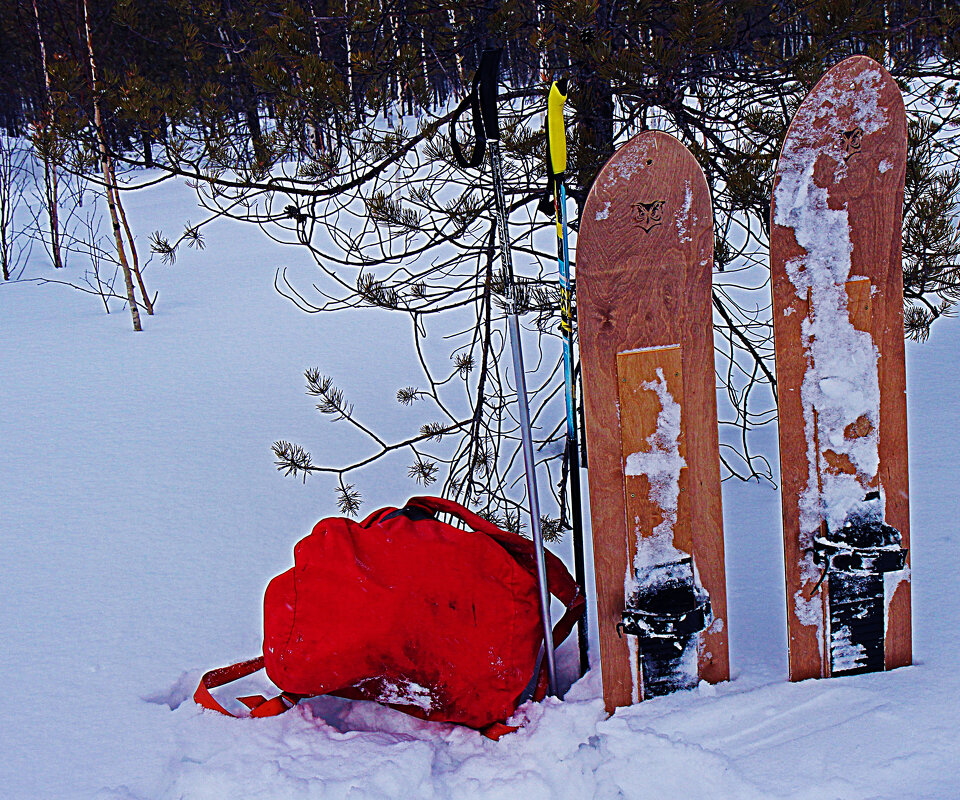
[[483, 105], [487, 78]]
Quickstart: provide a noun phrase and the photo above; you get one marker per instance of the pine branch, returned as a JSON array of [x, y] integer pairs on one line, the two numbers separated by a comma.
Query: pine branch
[[423, 472], [292, 459], [349, 499]]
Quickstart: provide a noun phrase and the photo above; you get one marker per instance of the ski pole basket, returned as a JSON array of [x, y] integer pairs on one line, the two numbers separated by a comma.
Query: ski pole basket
[[855, 558], [665, 613]]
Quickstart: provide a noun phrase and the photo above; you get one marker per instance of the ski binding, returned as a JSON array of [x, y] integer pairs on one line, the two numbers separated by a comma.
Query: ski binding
[[865, 544], [856, 557], [666, 605]]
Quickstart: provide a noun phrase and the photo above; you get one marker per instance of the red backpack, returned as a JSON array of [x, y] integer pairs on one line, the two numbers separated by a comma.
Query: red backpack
[[433, 620]]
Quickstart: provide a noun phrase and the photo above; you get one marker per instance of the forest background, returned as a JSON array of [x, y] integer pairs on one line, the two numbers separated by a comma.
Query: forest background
[[326, 124]]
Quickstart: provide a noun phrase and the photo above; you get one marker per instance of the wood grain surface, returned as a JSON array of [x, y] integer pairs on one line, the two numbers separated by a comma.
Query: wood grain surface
[[847, 142], [640, 407], [644, 262]]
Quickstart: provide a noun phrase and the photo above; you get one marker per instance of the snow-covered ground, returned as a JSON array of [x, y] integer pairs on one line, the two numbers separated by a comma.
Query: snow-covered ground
[[141, 517]]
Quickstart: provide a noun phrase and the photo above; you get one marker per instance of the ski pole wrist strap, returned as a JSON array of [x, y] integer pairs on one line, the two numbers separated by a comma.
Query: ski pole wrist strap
[[479, 142], [482, 101]]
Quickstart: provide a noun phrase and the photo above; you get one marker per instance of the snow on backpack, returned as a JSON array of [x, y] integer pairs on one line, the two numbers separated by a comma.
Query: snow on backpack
[[433, 620]]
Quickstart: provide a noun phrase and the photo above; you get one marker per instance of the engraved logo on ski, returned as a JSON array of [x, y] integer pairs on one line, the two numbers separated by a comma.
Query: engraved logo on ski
[[648, 215], [851, 141]]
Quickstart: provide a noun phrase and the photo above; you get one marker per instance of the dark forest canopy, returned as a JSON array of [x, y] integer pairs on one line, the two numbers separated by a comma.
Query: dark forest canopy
[[167, 63]]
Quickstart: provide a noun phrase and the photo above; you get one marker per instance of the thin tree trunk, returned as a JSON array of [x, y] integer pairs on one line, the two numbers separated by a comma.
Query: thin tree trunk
[[107, 170], [50, 180], [346, 32], [252, 114], [6, 214], [147, 141], [596, 120], [135, 267], [314, 134], [424, 70], [456, 48]]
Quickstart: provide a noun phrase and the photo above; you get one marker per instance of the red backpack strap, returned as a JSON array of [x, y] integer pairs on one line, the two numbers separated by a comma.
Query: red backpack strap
[[370, 519], [437, 505], [562, 585], [258, 704]]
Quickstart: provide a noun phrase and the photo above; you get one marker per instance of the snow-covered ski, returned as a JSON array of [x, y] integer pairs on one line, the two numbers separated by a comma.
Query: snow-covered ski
[[835, 251]]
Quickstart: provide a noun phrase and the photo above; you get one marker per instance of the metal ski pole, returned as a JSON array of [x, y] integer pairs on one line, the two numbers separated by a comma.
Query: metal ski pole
[[486, 126], [556, 167]]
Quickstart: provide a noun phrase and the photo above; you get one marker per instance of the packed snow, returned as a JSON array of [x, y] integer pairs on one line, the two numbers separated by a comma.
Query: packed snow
[[142, 517]]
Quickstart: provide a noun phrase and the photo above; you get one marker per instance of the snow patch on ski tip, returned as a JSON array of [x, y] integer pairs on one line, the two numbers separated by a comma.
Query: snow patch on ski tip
[[841, 385], [843, 104], [627, 162], [604, 212], [683, 215]]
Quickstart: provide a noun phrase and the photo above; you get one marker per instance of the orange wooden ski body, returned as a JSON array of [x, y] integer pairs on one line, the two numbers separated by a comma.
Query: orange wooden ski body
[[644, 263]]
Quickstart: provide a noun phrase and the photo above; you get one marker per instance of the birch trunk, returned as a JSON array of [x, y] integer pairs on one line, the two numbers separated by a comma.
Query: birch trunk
[[50, 179], [108, 176], [135, 266]]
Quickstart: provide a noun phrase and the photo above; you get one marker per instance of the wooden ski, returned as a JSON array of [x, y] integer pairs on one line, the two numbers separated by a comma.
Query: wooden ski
[[835, 254], [644, 261]]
